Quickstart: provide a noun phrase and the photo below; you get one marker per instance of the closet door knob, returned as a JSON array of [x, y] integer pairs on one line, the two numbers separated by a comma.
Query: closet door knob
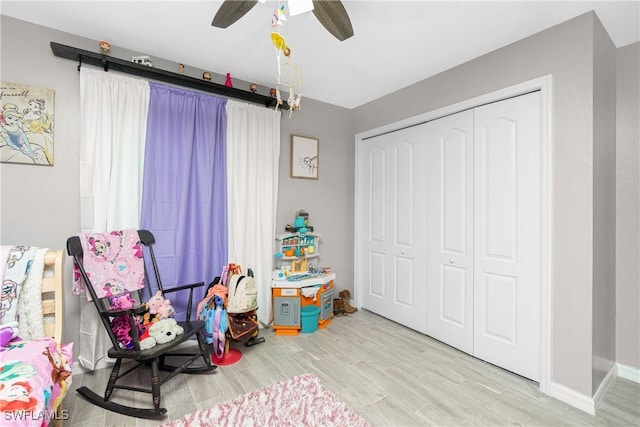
[[452, 260]]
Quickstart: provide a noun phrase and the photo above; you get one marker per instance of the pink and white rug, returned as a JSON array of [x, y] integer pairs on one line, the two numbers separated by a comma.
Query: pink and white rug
[[299, 401]]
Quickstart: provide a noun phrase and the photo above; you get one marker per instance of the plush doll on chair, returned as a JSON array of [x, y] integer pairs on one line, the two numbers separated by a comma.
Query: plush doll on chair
[[165, 330], [120, 325], [158, 306]]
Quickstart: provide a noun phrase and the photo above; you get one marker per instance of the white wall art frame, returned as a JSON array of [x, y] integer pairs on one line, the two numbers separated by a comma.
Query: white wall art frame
[[304, 157]]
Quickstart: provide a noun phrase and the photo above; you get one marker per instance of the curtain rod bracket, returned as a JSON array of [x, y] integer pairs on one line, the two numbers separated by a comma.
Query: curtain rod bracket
[[105, 64], [79, 62]]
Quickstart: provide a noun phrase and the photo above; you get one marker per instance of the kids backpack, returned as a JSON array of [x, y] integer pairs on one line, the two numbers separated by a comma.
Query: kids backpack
[[242, 293]]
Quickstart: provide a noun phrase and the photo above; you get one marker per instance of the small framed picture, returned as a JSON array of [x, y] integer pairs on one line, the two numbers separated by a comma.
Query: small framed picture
[[304, 157]]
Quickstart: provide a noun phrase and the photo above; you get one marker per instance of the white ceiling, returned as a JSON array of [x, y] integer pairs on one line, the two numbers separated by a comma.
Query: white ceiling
[[396, 43]]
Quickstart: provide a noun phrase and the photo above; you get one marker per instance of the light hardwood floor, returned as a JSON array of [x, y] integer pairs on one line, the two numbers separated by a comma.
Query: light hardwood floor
[[390, 375]]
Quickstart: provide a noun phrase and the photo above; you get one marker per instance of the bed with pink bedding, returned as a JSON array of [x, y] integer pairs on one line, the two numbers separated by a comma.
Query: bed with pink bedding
[[35, 372]]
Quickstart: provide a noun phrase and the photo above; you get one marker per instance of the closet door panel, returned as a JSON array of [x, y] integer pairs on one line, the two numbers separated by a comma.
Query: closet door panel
[[404, 193], [450, 230], [377, 204], [377, 274], [389, 259], [498, 182], [453, 291], [377, 219], [507, 207], [404, 283]]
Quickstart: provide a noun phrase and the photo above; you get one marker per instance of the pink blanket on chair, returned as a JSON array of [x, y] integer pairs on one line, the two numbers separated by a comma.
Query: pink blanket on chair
[[113, 262]]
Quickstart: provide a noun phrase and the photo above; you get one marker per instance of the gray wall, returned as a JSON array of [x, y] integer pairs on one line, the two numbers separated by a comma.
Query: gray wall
[[628, 207], [41, 205], [565, 51], [604, 205], [329, 200]]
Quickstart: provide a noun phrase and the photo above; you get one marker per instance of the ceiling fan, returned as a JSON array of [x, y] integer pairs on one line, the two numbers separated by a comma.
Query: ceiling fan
[[331, 14]]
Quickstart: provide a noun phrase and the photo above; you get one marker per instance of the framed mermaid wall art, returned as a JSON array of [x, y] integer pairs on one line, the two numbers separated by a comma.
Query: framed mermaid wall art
[[26, 124]]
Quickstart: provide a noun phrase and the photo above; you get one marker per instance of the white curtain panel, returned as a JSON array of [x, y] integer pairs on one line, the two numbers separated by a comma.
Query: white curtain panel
[[253, 157], [113, 110]]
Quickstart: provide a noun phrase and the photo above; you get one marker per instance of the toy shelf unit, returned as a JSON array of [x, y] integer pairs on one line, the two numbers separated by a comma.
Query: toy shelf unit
[[296, 248], [291, 297]]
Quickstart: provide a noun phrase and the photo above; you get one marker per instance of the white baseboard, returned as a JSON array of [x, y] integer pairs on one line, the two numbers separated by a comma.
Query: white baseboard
[[586, 403], [572, 397], [605, 386], [628, 372]]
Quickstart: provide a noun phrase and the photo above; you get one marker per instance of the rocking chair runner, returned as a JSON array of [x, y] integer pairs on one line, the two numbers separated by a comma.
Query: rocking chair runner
[[153, 357]]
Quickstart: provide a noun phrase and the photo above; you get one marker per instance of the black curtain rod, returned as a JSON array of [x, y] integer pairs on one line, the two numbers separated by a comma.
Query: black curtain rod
[[110, 63]]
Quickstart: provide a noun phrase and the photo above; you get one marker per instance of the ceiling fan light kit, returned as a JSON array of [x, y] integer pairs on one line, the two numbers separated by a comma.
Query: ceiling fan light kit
[[298, 7], [331, 14]]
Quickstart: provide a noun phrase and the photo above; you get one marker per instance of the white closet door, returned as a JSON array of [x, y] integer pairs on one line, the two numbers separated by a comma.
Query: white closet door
[[391, 254], [507, 202], [449, 219]]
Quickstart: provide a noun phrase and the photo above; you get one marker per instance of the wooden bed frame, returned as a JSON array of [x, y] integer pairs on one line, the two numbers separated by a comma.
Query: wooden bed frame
[[52, 294]]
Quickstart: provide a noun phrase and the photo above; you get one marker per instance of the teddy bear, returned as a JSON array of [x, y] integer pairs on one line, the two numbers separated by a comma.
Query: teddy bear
[[165, 330], [120, 325]]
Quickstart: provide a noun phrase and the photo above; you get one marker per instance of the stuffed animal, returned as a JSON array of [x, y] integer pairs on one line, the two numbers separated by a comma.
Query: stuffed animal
[[148, 342], [146, 320], [120, 325], [165, 330], [160, 307]]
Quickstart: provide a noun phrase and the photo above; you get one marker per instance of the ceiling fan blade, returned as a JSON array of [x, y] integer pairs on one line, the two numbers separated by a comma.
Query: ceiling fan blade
[[333, 16], [232, 10]]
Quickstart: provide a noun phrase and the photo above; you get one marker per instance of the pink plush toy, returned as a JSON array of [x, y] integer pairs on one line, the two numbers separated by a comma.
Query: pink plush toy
[[120, 325], [160, 307]]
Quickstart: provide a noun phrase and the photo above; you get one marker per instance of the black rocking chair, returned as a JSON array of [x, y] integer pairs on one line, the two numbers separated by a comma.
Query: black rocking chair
[[153, 357]]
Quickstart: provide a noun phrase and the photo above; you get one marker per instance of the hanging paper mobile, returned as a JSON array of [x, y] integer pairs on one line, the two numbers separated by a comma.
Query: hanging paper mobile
[[278, 18], [278, 41], [287, 74], [290, 78]]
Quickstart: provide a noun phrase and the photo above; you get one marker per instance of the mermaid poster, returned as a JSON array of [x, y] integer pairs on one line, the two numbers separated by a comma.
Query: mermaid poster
[[26, 124]]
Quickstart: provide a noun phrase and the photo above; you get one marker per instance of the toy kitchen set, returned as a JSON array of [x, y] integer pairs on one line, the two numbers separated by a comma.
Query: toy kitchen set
[[302, 294]]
